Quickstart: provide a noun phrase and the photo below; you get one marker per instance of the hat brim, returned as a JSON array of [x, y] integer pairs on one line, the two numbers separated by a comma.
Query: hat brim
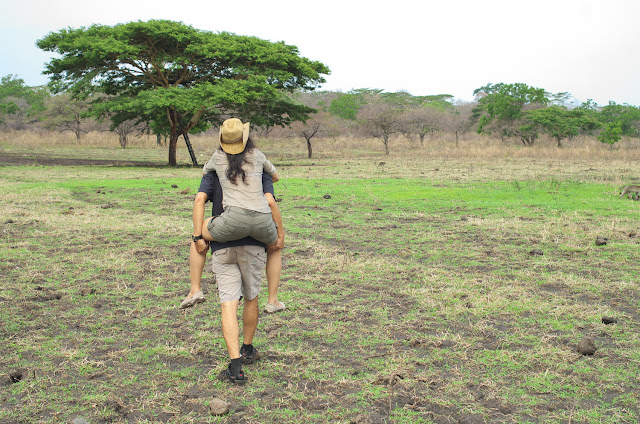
[[237, 147]]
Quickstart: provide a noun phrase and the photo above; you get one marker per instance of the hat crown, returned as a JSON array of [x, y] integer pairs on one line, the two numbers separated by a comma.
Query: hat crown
[[231, 131], [233, 136]]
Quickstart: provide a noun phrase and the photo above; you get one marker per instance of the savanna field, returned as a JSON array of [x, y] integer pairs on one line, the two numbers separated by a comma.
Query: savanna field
[[437, 284]]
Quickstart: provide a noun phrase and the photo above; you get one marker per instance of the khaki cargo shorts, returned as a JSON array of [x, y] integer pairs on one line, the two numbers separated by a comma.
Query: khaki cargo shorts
[[239, 271], [236, 223]]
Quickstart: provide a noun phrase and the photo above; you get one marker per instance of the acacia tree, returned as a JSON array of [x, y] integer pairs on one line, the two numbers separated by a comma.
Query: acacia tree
[[561, 123], [611, 133], [502, 108], [422, 121], [459, 120], [381, 120], [66, 114], [181, 78]]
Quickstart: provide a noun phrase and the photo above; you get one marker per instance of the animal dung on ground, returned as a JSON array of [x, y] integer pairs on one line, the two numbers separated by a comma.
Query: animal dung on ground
[[536, 252], [609, 320], [601, 241], [586, 346], [218, 407], [185, 191], [174, 186], [327, 196]]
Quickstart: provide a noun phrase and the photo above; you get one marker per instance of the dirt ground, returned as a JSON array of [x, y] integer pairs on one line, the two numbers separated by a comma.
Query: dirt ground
[[376, 332]]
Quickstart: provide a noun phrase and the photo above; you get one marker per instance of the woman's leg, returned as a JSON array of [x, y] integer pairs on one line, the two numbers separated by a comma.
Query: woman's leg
[[274, 267], [205, 230], [196, 266]]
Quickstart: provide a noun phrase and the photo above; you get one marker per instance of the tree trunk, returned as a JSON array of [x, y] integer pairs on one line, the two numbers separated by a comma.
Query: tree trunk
[[386, 145], [123, 140], [173, 144], [309, 149]]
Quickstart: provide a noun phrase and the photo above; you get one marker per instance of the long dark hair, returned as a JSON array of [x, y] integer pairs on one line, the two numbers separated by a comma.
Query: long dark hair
[[234, 170]]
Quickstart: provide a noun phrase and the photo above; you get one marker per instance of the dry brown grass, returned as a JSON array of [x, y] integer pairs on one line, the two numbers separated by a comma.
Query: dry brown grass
[[471, 146]]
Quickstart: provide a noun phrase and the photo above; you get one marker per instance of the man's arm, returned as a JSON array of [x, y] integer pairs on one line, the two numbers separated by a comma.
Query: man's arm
[[198, 218]]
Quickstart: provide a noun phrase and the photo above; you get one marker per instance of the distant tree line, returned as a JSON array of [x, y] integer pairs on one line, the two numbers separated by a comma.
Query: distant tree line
[[169, 79], [508, 111]]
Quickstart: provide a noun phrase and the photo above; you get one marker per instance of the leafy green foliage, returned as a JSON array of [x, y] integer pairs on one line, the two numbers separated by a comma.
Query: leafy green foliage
[[180, 78], [561, 123], [626, 116], [347, 105], [12, 90], [501, 108], [611, 133]]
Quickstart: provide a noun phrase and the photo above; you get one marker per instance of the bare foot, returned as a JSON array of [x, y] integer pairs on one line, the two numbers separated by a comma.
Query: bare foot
[[192, 299]]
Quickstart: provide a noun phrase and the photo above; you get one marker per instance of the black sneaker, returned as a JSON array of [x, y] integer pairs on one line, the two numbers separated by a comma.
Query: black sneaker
[[249, 356], [226, 375]]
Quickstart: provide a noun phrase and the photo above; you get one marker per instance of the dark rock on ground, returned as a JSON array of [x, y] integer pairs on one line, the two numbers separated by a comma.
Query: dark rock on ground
[[601, 241], [327, 196], [536, 252], [609, 320]]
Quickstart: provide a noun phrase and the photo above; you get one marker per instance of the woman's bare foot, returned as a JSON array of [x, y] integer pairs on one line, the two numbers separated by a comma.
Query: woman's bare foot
[[192, 299]]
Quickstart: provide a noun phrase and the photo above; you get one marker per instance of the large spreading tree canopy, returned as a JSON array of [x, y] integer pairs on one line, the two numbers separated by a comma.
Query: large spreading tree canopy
[[179, 78]]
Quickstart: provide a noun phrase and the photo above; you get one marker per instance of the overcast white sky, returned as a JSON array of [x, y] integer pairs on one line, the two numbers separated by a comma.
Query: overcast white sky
[[588, 48]]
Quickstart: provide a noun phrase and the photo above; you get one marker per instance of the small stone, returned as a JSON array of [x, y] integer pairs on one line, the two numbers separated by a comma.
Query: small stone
[[327, 196], [464, 218], [586, 346], [218, 407], [185, 191], [79, 420], [174, 186], [536, 252], [601, 241], [9, 221], [609, 320]]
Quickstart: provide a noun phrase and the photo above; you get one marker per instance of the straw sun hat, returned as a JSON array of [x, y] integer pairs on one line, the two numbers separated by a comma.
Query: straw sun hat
[[233, 136]]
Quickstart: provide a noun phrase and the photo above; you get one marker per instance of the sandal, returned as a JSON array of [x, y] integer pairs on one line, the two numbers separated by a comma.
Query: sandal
[[249, 357], [226, 375]]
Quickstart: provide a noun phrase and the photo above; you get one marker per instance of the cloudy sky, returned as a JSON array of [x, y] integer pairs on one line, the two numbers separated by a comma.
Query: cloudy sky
[[587, 48]]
